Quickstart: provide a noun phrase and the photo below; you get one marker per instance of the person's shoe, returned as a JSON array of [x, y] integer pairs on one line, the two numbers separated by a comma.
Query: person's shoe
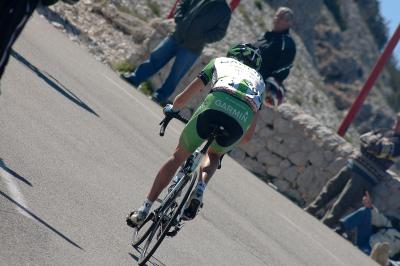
[[380, 253], [195, 203], [159, 101], [339, 229], [136, 218], [311, 210], [128, 78]]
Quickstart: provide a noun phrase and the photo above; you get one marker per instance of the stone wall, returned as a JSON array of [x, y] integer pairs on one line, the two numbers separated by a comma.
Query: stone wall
[[297, 154], [291, 150]]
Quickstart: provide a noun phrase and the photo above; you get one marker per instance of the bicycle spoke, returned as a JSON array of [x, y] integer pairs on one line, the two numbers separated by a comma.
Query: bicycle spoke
[[165, 218]]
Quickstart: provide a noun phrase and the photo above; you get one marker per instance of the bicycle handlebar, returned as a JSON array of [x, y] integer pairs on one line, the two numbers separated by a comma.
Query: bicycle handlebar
[[164, 123]]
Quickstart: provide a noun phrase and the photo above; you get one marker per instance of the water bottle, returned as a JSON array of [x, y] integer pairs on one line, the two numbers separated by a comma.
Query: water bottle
[[175, 181], [177, 177]]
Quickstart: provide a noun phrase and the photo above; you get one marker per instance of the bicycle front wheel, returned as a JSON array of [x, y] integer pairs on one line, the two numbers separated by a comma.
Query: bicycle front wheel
[[141, 233], [164, 222]]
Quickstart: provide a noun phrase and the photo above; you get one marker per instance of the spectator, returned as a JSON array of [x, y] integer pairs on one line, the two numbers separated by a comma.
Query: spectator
[[373, 229], [277, 47], [13, 17], [362, 172], [197, 23]]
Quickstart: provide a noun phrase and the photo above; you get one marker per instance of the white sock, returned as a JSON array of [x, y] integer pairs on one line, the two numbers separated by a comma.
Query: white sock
[[146, 206]]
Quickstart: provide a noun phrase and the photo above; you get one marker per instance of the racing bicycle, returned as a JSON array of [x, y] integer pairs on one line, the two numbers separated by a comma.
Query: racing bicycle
[[167, 219]]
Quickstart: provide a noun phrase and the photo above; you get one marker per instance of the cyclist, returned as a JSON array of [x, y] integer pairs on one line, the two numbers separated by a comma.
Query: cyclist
[[237, 94]]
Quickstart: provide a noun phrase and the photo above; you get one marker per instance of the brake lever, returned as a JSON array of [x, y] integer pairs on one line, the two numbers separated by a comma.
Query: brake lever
[[164, 123]]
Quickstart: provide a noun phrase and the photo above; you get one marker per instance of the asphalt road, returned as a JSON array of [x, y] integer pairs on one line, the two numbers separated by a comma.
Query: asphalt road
[[79, 150]]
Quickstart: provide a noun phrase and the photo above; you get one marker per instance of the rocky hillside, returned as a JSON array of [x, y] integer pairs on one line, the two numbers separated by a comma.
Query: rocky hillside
[[337, 42], [294, 148]]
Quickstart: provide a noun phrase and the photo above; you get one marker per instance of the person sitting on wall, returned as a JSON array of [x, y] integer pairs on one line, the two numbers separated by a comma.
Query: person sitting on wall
[[376, 234], [379, 148]]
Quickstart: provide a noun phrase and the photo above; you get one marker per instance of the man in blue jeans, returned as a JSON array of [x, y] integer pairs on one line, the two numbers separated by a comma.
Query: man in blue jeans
[[373, 231], [198, 22], [360, 220]]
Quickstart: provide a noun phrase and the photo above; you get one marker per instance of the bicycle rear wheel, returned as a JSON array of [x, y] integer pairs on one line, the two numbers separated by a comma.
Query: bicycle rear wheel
[[164, 222]]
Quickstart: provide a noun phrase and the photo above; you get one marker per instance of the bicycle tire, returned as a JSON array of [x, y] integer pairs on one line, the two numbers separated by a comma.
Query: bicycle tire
[[137, 240], [144, 258]]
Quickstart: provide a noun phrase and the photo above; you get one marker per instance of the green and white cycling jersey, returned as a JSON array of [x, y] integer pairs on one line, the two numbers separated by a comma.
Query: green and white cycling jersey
[[237, 91], [233, 77]]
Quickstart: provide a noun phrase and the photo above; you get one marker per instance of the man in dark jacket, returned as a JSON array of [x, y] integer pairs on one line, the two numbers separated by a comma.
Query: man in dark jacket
[[13, 17], [378, 151], [198, 22], [278, 49]]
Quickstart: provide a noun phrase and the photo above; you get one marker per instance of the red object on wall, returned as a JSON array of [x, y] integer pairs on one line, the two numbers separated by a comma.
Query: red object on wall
[[171, 13], [370, 82], [233, 5]]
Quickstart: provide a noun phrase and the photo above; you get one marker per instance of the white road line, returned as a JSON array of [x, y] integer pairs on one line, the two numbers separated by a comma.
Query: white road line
[[139, 102], [14, 191], [310, 237]]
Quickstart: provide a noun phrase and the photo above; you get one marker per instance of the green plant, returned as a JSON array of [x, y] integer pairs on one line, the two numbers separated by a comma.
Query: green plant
[[258, 4], [315, 99], [394, 72], [334, 7], [369, 11], [154, 7], [123, 9], [146, 88], [126, 10], [260, 22], [348, 138], [245, 15], [297, 100], [123, 66]]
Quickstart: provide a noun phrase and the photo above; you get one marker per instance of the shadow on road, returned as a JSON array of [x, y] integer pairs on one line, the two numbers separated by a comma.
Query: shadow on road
[[153, 261], [14, 174], [40, 220], [53, 82]]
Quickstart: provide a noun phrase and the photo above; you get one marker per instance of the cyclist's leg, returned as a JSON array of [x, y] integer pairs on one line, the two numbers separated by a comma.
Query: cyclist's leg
[[188, 143], [209, 165], [162, 179], [222, 144], [167, 171]]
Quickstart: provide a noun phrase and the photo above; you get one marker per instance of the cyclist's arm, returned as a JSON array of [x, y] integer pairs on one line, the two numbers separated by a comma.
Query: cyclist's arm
[[247, 136], [182, 98]]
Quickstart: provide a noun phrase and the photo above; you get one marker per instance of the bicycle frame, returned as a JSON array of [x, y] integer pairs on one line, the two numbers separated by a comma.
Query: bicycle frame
[[168, 215]]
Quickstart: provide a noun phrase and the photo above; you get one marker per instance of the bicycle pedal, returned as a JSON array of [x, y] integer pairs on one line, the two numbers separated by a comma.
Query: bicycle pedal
[[175, 230], [172, 233]]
